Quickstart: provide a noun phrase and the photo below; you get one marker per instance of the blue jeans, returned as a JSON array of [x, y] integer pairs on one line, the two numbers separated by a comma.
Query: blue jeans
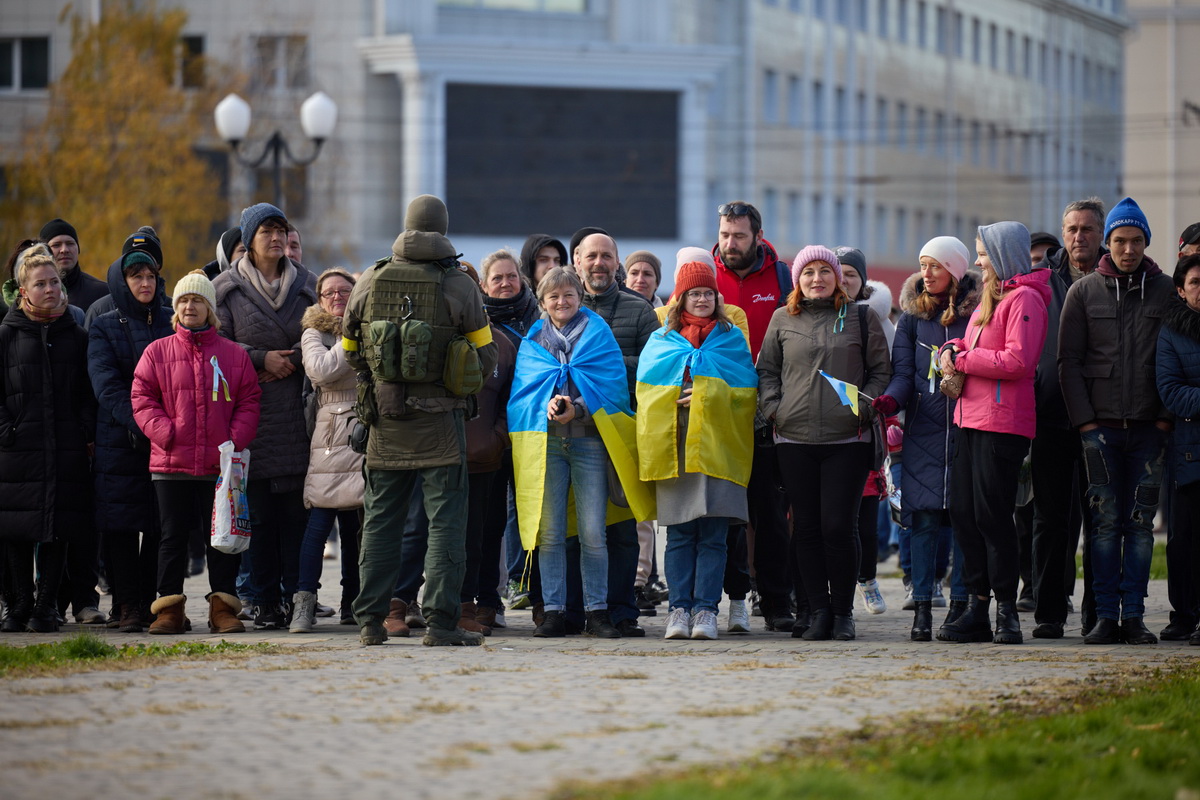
[[695, 562], [1124, 471], [312, 549], [930, 551], [577, 464]]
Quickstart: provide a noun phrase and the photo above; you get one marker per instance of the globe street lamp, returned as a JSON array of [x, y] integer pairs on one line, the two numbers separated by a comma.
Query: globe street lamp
[[318, 116]]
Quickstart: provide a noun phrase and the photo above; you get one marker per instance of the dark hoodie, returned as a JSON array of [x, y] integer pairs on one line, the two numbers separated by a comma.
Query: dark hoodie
[[530, 249], [1108, 338], [116, 341]]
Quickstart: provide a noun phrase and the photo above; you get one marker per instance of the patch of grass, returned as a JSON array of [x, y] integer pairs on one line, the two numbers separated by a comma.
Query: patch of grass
[[626, 675], [87, 651], [724, 711], [533, 747], [1125, 733]]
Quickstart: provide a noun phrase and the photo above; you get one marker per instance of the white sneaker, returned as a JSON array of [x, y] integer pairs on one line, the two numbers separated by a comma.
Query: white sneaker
[[909, 602], [739, 617], [704, 624], [872, 598], [678, 624], [938, 599], [500, 621]]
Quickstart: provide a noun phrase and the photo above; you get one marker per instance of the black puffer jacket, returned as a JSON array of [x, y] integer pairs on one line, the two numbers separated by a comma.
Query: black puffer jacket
[[281, 448], [47, 419], [514, 316], [83, 289], [116, 340]]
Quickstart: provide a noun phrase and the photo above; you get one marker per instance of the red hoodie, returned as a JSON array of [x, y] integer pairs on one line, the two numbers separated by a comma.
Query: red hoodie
[[758, 294]]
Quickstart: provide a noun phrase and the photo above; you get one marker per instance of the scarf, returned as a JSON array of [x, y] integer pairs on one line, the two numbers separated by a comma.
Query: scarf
[[560, 341], [41, 314], [696, 329], [274, 293]]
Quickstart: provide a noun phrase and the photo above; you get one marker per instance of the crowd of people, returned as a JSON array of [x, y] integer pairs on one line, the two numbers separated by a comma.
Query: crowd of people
[[524, 432]]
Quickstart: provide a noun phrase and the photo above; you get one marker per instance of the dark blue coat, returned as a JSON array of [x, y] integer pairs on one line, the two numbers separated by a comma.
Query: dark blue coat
[[124, 495], [1177, 371], [928, 414]]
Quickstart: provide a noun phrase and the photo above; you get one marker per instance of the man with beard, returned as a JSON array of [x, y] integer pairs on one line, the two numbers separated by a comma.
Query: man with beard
[[82, 288], [751, 276]]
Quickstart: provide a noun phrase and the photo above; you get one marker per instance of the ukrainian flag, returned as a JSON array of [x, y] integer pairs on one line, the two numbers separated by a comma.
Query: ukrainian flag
[[598, 372], [720, 435]]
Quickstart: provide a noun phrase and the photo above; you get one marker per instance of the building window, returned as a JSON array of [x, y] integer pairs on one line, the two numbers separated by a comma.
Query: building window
[[958, 139], [841, 12], [839, 221], [794, 6], [919, 233], [24, 63], [922, 24], [941, 31], [818, 9], [881, 121], [880, 244], [795, 112], [794, 214], [901, 125], [840, 124], [939, 133], [550, 6], [919, 137], [993, 46], [280, 62], [993, 145], [1010, 51], [902, 232], [191, 62], [770, 102], [859, 133], [770, 210], [976, 43], [902, 21], [881, 18], [817, 233], [1043, 64], [1026, 58], [1087, 80], [975, 149], [295, 188], [960, 34], [864, 17], [818, 106]]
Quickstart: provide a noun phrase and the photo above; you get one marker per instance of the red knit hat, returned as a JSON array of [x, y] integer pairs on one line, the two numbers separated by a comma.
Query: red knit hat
[[694, 275]]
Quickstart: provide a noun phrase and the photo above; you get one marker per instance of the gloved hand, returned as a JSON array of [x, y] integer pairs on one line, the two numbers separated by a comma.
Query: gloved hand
[[886, 404]]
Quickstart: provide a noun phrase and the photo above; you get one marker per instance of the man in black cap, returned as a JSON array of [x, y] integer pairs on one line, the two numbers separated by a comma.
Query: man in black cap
[[1189, 240], [82, 289]]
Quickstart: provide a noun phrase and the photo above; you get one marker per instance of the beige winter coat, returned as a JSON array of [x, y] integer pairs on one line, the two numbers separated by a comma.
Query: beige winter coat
[[334, 478]]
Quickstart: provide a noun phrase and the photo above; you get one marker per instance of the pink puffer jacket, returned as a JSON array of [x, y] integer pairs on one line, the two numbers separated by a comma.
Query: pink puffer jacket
[[181, 403], [998, 393]]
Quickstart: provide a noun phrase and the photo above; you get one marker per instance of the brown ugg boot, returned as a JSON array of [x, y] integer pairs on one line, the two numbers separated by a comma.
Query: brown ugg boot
[[223, 609], [468, 622], [170, 619], [394, 623]]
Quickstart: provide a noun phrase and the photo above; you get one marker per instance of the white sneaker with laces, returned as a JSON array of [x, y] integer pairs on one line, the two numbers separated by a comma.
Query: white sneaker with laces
[[872, 598], [678, 624], [939, 599], [909, 602], [704, 624], [739, 617]]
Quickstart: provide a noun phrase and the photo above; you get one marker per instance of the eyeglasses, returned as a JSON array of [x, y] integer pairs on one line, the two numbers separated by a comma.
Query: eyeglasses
[[733, 209], [700, 294], [329, 294]]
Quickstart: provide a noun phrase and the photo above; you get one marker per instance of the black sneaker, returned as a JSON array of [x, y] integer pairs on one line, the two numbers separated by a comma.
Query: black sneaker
[[552, 627], [599, 624], [269, 618]]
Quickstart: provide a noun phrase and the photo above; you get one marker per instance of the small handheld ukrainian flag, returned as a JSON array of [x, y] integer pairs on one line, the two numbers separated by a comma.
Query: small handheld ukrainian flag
[[847, 392]]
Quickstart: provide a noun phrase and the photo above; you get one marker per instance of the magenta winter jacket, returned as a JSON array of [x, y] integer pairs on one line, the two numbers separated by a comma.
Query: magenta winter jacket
[[187, 414], [1000, 366]]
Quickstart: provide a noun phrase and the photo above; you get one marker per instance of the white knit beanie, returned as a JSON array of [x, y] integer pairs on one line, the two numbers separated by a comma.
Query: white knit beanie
[[196, 282], [951, 253]]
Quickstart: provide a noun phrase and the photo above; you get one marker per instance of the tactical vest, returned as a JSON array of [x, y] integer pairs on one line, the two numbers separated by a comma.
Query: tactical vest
[[409, 293]]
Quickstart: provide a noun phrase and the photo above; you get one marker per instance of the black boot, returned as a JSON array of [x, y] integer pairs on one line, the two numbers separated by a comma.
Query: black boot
[[957, 607], [922, 627], [1134, 631], [44, 618], [600, 624], [1105, 631], [820, 626], [19, 609], [553, 626], [843, 627], [1008, 624], [972, 626]]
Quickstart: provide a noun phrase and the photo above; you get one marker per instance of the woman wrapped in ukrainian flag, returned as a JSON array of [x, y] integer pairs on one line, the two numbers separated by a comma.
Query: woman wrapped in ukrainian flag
[[697, 392], [568, 416]]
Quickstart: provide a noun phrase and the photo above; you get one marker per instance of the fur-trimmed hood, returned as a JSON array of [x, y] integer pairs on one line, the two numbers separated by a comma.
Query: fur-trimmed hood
[[878, 296], [322, 320], [969, 291], [1180, 318]]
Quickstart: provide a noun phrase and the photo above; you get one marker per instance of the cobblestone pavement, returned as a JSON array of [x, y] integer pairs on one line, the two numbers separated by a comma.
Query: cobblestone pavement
[[513, 719]]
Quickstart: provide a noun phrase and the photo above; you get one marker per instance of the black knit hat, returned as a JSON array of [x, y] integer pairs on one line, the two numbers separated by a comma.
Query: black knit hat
[[145, 240], [58, 227], [578, 237]]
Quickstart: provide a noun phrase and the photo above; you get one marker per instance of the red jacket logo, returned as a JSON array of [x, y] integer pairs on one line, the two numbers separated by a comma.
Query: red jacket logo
[[763, 298]]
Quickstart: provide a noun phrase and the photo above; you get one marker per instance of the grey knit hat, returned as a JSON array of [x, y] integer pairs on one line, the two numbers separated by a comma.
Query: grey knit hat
[[254, 216]]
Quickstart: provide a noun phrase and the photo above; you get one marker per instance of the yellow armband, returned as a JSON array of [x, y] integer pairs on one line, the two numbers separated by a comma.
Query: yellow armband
[[481, 337]]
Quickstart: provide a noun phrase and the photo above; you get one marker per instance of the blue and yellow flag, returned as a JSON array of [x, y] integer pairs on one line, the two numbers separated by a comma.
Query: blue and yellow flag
[[720, 435], [846, 392], [598, 372]]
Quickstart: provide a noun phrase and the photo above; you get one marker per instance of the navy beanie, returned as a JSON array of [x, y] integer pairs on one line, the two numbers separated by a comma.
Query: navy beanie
[[853, 257], [254, 216], [1126, 214], [144, 239]]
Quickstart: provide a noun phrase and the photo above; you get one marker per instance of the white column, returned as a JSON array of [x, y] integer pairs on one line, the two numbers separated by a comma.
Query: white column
[[423, 125], [695, 218]]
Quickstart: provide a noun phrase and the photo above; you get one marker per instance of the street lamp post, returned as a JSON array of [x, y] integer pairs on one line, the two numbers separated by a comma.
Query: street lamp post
[[318, 116]]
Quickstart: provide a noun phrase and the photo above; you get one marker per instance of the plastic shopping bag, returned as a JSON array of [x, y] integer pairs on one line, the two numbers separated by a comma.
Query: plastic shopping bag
[[231, 512]]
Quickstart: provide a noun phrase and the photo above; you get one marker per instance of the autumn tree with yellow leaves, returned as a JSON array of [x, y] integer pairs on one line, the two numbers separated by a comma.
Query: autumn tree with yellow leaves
[[116, 149]]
